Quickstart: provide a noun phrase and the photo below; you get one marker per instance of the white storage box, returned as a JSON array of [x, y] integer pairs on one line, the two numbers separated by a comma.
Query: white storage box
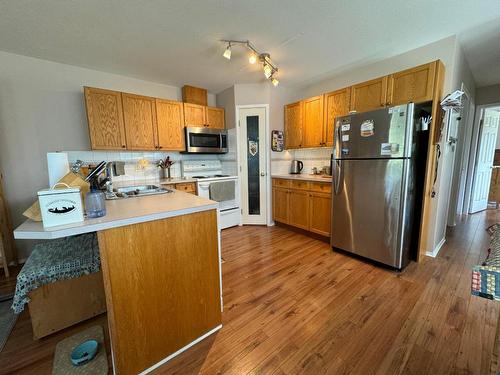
[[60, 206]]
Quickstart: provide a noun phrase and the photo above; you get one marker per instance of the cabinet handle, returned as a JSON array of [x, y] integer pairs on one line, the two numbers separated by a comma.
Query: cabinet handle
[[123, 146], [160, 147]]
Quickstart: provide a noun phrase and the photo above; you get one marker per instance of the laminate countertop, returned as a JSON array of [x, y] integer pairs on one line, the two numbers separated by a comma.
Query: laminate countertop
[[122, 212], [303, 177]]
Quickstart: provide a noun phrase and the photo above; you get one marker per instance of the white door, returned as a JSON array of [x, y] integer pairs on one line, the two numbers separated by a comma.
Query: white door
[[253, 165], [486, 153]]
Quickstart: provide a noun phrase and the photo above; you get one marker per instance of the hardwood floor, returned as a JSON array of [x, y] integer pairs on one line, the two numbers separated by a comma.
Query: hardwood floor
[[292, 306]]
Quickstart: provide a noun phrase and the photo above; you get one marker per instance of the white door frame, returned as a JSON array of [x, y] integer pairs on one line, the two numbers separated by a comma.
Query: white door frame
[[267, 141], [473, 153]]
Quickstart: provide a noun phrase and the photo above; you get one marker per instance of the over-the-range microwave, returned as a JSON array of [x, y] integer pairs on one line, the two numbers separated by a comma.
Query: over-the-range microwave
[[201, 140]]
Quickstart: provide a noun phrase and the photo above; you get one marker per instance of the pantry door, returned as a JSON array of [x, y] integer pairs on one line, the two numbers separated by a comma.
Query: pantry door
[[253, 165]]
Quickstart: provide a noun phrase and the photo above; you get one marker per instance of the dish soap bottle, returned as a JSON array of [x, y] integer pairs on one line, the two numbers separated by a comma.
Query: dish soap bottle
[[95, 201]]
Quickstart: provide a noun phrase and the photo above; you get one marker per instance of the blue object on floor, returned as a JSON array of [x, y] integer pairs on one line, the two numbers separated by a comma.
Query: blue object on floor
[[84, 352]]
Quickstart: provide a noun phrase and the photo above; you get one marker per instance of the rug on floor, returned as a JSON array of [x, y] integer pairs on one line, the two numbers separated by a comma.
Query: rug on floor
[[62, 361], [7, 321]]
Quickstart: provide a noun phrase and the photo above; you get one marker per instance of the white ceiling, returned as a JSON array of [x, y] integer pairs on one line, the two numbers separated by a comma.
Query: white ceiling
[[177, 42]]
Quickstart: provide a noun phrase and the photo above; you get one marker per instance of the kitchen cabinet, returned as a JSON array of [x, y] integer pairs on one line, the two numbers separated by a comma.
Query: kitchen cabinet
[[298, 209], [187, 187], [215, 117], [312, 123], [280, 204], [320, 213], [303, 204], [195, 115], [336, 104], [139, 115], [194, 95], [293, 125], [412, 85], [369, 95], [105, 119], [170, 120]]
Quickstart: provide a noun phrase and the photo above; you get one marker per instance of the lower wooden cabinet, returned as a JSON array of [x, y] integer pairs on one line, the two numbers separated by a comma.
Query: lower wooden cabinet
[[305, 205], [187, 187]]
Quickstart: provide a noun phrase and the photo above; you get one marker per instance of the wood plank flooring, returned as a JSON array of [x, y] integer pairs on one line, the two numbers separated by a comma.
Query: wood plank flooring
[[292, 306]]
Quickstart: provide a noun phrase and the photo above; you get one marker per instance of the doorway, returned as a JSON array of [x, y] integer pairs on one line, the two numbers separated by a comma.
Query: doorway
[[253, 164], [487, 144]]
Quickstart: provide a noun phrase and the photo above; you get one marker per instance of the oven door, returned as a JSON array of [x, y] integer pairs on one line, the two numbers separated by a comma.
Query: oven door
[[206, 141]]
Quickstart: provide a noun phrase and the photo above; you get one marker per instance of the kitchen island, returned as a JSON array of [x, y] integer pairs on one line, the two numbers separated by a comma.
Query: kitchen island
[[160, 260]]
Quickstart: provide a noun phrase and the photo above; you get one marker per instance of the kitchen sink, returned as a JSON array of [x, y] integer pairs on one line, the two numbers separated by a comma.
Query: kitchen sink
[[136, 191]]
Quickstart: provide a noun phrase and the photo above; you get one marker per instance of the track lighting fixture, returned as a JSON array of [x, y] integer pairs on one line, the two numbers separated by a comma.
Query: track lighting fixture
[[227, 52], [270, 70]]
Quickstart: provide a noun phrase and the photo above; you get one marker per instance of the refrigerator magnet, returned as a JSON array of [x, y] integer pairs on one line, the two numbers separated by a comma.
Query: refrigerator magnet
[[345, 137], [385, 149], [346, 127], [367, 128]]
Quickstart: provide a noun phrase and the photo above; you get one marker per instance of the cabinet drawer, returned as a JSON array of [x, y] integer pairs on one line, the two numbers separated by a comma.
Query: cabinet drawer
[[303, 185], [324, 187], [168, 186], [189, 187], [281, 182]]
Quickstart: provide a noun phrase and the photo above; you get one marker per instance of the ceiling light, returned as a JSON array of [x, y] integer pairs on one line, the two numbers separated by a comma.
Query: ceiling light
[[268, 71], [253, 58], [275, 81], [227, 52]]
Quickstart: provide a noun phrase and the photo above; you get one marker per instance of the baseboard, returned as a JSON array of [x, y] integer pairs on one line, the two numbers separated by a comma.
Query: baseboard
[[435, 252]]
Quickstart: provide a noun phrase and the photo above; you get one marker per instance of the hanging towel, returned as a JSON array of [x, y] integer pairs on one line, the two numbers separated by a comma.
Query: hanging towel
[[222, 191]]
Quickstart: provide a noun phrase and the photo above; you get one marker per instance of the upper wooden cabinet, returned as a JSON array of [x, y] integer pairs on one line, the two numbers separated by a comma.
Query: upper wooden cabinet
[[336, 104], [105, 119], [312, 122], [139, 115], [170, 119], [369, 95], [293, 125], [412, 85], [215, 117], [194, 95], [195, 115]]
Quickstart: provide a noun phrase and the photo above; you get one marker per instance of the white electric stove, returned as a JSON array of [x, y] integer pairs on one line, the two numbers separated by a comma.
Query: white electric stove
[[210, 171]]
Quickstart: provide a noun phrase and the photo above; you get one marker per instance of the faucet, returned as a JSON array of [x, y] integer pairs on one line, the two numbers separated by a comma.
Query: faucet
[[108, 180]]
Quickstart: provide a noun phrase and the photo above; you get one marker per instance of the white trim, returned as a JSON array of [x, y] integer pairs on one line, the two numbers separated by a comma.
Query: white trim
[[268, 156], [183, 349], [435, 252]]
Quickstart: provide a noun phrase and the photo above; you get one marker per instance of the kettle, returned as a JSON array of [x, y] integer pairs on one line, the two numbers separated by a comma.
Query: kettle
[[296, 167]]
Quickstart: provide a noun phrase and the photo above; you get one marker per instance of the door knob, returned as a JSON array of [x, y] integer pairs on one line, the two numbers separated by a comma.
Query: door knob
[[262, 174]]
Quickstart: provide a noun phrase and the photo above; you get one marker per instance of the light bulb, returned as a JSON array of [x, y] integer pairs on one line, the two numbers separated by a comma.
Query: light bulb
[[275, 81], [252, 59], [227, 53], [267, 71]]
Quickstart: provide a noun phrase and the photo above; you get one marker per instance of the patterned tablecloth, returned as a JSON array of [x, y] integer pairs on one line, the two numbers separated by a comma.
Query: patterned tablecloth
[[486, 277], [55, 260]]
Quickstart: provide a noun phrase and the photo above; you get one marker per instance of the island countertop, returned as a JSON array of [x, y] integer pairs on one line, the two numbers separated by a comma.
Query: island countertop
[[122, 212]]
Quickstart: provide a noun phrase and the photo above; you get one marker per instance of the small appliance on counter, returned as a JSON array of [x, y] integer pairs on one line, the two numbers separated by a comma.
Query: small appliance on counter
[[60, 206], [296, 167]]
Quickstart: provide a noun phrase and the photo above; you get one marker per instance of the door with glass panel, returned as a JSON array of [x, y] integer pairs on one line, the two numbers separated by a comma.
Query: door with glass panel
[[253, 165]]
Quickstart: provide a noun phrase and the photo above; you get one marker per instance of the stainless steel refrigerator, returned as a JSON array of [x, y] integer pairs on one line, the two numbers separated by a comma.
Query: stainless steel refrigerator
[[374, 184]]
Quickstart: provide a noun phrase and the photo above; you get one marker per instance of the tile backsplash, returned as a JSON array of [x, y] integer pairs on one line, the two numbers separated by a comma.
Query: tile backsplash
[[135, 171], [311, 157]]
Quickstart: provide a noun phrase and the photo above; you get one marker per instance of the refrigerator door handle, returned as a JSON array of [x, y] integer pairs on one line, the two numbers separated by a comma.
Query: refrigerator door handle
[[337, 176]]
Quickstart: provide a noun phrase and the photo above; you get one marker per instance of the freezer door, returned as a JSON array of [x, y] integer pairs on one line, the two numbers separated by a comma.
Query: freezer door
[[384, 133], [368, 208]]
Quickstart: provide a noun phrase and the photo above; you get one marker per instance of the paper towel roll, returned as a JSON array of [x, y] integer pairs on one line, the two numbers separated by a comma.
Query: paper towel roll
[[58, 165]]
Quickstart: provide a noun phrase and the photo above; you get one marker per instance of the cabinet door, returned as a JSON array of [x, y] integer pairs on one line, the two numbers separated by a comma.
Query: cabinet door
[[293, 125], [369, 95], [139, 114], [215, 118], [105, 119], [170, 118], [319, 213], [312, 122], [194, 115], [280, 205], [336, 104], [298, 209], [412, 85]]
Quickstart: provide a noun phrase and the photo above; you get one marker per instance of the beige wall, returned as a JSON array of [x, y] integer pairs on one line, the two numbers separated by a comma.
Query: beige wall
[[42, 110], [488, 95]]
